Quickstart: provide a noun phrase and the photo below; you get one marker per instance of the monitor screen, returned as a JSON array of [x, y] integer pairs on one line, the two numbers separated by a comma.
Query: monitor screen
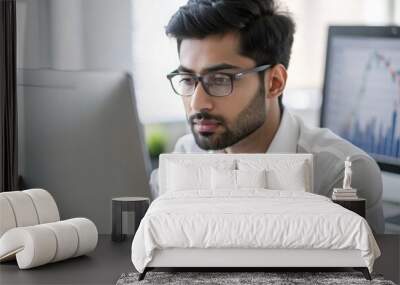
[[361, 98]]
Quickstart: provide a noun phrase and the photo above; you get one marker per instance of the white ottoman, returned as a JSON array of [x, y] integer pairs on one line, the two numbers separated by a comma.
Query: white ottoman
[[31, 232]]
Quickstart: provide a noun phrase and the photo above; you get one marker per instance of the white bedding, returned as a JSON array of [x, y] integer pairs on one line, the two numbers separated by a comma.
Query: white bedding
[[251, 218]]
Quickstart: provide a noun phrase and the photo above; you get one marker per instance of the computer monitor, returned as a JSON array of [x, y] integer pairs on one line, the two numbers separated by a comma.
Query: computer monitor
[[81, 139], [361, 95]]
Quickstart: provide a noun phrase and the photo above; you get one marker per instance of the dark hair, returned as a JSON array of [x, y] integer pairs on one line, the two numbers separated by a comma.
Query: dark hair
[[266, 35]]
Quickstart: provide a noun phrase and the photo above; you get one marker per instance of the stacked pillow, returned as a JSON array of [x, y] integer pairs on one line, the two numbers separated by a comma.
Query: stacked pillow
[[282, 174], [236, 179], [185, 174]]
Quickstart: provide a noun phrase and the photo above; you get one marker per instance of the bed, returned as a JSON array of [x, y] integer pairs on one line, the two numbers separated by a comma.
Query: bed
[[247, 211]]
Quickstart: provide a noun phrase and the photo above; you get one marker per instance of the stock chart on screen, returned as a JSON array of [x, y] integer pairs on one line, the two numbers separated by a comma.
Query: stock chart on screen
[[362, 94]]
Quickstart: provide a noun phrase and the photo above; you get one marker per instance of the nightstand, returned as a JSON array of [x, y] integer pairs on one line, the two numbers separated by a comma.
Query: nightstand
[[138, 205], [355, 205]]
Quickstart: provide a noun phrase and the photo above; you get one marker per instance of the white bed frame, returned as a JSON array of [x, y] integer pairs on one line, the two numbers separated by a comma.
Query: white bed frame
[[245, 258], [251, 257]]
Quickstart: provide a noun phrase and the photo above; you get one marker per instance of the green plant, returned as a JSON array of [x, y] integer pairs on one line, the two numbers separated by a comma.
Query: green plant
[[156, 141]]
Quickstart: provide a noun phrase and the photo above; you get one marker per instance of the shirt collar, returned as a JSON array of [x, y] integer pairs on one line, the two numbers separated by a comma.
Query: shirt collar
[[286, 138]]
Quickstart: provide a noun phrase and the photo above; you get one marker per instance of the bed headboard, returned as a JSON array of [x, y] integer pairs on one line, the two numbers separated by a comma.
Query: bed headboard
[[274, 161]]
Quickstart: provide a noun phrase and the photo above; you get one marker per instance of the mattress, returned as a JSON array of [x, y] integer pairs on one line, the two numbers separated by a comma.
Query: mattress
[[250, 219]]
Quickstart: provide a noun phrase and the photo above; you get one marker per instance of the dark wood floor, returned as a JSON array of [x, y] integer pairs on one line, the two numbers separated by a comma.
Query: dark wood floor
[[110, 260], [103, 266]]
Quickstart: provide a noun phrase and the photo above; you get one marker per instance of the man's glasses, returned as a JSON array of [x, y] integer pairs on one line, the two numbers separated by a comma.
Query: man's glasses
[[215, 83]]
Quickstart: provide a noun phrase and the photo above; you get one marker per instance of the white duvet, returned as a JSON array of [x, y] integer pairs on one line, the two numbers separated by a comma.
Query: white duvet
[[252, 218]]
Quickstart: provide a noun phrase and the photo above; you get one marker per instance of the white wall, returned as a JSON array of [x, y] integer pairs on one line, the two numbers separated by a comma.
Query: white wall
[[312, 19], [107, 34], [395, 4], [74, 34], [33, 45], [155, 55]]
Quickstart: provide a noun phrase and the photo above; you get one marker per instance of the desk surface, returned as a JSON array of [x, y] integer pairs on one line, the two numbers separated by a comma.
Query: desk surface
[[111, 259]]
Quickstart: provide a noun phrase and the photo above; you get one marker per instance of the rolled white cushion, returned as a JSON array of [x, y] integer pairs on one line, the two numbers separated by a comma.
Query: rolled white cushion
[[67, 240], [7, 218], [23, 208], [88, 235], [33, 245], [45, 205], [45, 243]]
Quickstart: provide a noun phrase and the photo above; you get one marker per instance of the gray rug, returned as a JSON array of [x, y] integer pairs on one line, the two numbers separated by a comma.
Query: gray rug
[[229, 278]]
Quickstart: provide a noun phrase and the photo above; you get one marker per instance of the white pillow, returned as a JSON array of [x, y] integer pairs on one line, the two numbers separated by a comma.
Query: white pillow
[[181, 177], [294, 180], [186, 174], [282, 174], [223, 179], [251, 178]]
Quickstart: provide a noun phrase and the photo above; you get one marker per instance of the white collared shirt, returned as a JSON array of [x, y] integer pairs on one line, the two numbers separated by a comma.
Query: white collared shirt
[[329, 151]]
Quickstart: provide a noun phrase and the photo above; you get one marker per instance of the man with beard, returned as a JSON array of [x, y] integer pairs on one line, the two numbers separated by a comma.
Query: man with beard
[[234, 56]]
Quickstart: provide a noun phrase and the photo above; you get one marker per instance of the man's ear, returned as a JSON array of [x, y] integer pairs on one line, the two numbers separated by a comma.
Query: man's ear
[[275, 81]]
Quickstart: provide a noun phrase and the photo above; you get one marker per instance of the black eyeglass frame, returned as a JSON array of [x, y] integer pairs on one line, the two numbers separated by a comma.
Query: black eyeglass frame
[[232, 76]]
